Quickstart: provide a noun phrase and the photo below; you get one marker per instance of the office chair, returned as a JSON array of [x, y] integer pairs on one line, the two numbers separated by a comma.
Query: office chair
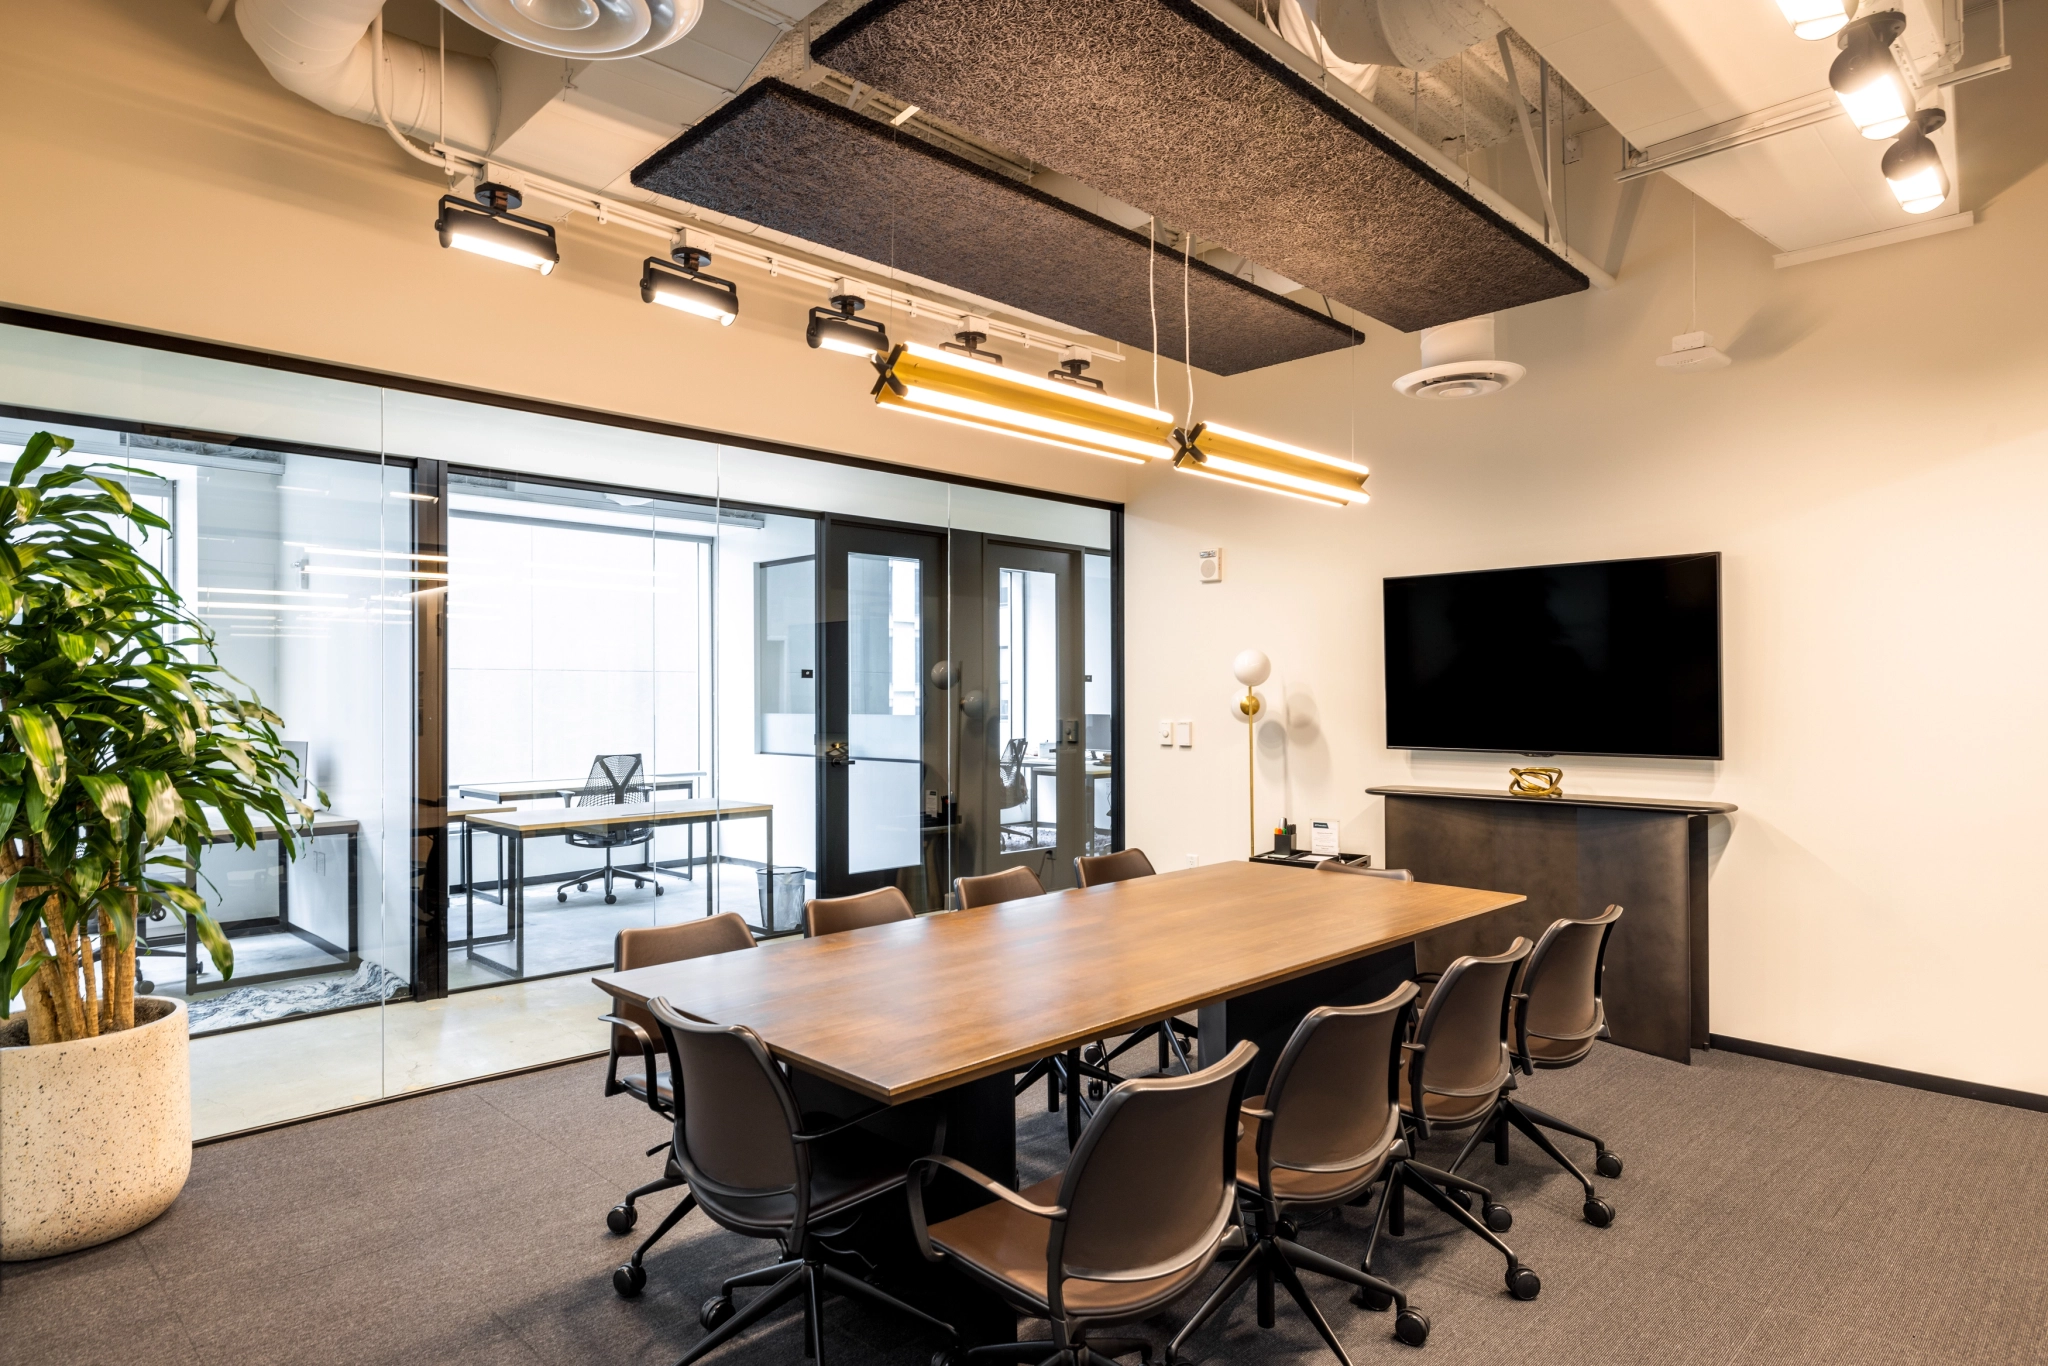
[[1558, 1013], [614, 781], [1011, 884], [830, 915], [1356, 870], [1326, 1129], [1171, 1033], [1016, 792], [761, 1169], [1129, 1227], [1452, 1073], [632, 1031]]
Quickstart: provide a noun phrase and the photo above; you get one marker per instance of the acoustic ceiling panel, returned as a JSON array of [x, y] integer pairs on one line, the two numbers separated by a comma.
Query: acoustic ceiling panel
[[1161, 104], [787, 160]]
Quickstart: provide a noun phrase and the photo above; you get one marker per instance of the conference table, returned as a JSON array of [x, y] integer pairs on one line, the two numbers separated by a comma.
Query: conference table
[[937, 1013]]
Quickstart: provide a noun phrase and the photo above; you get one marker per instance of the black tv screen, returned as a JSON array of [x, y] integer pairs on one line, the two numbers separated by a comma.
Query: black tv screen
[[1621, 657]]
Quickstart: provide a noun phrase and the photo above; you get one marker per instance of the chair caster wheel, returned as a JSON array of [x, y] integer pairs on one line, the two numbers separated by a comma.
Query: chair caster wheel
[[582, 886], [1599, 1213], [629, 1280], [1498, 1217], [1412, 1328], [621, 1218], [610, 900], [1463, 1198], [657, 889], [1379, 1301], [949, 1356], [1608, 1164], [715, 1311], [1524, 1284], [561, 896]]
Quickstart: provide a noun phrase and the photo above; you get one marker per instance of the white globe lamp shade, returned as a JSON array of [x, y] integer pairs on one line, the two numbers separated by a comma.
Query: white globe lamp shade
[[1251, 667]]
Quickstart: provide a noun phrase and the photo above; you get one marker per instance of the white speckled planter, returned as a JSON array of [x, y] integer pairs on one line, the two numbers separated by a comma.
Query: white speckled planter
[[95, 1135]]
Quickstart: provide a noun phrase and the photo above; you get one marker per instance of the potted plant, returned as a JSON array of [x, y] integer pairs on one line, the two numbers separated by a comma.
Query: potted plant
[[124, 743]]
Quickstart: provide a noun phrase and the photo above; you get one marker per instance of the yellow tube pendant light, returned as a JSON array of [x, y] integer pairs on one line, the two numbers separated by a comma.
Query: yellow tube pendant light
[[1219, 452], [929, 382]]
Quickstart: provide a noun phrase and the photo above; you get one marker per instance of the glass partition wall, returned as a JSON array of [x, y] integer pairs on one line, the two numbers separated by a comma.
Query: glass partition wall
[[553, 679]]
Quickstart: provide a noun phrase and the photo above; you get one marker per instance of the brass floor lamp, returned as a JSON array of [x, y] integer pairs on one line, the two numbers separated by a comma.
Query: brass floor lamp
[[1252, 668]]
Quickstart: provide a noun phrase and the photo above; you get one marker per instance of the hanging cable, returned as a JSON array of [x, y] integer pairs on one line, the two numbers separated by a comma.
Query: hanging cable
[[377, 99], [1187, 325], [1694, 325], [1152, 296], [441, 134]]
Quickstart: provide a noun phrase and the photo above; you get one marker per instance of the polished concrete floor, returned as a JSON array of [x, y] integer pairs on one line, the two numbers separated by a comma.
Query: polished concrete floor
[[1769, 1216]]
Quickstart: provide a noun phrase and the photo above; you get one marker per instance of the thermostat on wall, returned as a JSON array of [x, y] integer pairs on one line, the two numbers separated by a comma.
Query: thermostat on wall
[[1209, 566]]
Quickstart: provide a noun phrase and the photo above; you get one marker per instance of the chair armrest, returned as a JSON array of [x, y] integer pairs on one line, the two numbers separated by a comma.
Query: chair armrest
[[646, 1053], [925, 1167], [813, 1135], [1415, 1052], [1255, 1114], [1518, 1033]]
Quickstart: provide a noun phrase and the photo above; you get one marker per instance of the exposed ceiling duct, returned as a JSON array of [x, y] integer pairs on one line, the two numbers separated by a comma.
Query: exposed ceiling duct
[[790, 161], [1183, 108], [589, 29], [1416, 34], [1458, 362]]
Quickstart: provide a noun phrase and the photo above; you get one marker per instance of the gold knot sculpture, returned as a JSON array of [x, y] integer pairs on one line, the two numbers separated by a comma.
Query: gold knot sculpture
[[1535, 782]]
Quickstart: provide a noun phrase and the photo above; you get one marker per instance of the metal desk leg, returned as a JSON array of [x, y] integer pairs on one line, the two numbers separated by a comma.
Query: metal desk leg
[[192, 936], [355, 946], [517, 914], [284, 885]]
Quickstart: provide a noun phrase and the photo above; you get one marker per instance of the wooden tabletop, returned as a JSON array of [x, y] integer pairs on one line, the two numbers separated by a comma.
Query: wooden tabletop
[[533, 789], [902, 1010], [324, 825], [554, 819]]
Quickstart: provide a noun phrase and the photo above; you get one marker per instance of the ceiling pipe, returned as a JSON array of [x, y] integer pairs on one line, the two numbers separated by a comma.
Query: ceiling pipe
[[1416, 34]]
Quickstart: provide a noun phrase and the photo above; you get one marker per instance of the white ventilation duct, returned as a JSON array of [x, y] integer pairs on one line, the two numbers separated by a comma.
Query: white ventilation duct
[[1458, 362], [583, 29], [1416, 34]]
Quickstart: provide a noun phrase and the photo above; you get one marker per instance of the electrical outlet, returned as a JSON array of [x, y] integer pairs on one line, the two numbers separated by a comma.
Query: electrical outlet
[[1184, 734], [1194, 860]]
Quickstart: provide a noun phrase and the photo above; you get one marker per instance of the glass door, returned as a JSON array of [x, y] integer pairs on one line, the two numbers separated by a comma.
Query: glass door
[[881, 752], [1034, 771]]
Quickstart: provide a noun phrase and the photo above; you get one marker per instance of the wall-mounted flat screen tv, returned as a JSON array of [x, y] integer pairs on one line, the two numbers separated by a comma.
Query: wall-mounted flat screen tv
[[1621, 657]]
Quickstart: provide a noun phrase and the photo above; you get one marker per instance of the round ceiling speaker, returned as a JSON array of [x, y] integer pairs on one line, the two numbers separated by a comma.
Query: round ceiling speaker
[[1459, 379], [588, 30]]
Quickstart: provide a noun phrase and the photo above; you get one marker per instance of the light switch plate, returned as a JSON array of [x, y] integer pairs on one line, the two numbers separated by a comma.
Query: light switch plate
[[1184, 734], [1166, 732]]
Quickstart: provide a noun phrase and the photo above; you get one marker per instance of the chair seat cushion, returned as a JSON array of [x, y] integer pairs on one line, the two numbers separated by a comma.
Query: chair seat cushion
[[637, 1084], [1557, 1052], [1309, 1188], [1451, 1110], [1006, 1246], [846, 1168]]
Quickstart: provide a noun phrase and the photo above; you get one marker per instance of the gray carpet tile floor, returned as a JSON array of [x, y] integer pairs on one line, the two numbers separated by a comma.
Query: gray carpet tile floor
[[1768, 1214]]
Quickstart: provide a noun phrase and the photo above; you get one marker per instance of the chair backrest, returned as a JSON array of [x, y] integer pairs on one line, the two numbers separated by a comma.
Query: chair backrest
[[736, 1123], [830, 915], [1464, 1031], [1011, 884], [1330, 865], [1335, 1093], [1152, 1184], [1125, 864], [614, 781], [1560, 991], [671, 944], [1010, 773]]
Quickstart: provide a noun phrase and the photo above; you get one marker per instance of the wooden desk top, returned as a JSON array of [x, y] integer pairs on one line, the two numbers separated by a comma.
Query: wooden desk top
[[902, 1010], [323, 825], [534, 790], [555, 819]]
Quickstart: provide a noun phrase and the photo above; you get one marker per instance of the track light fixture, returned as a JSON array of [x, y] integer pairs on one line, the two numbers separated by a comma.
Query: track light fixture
[[836, 329], [1074, 369], [1912, 165], [1220, 452], [967, 342], [1817, 18], [495, 231], [684, 285], [935, 382], [1866, 77]]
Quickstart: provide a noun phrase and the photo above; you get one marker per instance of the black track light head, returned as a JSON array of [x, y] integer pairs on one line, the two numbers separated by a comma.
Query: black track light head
[[968, 344], [683, 285], [495, 231], [839, 330], [1073, 370]]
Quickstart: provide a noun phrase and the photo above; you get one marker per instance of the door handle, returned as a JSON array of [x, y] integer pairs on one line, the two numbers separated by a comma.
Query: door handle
[[838, 754]]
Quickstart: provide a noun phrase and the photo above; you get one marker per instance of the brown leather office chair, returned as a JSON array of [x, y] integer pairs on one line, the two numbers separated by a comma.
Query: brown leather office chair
[[1558, 1014], [634, 1031], [1452, 1073], [1172, 1034], [1128, 1228], [830, 915], [762, 1169], [1011, 884], [1096, 869], [1326, 1129], [1357, 870]]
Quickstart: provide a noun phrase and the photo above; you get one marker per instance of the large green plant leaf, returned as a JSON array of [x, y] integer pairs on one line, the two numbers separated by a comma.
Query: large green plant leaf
[[157, 800], [43, 742], [110, 795]]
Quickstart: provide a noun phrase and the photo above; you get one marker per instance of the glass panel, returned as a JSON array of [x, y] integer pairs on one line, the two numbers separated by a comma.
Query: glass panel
[[1027, 698], [884, 711], [1098, 690], [786, 656]]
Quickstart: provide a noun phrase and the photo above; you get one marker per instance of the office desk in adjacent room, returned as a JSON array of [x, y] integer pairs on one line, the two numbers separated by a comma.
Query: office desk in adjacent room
[[517, 827], [346, 957], [533, 790]]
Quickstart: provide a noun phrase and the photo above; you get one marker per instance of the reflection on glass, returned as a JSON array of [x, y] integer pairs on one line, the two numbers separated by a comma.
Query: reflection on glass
[[1099, 695], [1027, 682], [786, 656], [884, 712]]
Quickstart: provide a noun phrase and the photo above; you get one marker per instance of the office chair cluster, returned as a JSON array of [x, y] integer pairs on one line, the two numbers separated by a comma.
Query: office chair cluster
[[1170, 1174]]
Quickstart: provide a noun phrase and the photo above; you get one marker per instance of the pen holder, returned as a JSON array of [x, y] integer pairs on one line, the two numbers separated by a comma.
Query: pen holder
[[1283, 840]]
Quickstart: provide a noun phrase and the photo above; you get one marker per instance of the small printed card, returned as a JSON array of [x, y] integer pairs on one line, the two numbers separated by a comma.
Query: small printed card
[[1322, 837]]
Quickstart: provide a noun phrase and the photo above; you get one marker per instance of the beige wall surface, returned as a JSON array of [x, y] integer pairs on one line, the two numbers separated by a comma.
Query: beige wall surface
[[1873, 468]]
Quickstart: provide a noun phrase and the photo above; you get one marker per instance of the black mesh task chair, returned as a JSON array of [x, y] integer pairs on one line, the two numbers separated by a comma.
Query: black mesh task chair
[[762, 1169], [614, 781], [1172, 1034], [1128, 1228], [1558, 1014], [1452, 1073], [1326, 1129], [1015, 792], [633, 1031]]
